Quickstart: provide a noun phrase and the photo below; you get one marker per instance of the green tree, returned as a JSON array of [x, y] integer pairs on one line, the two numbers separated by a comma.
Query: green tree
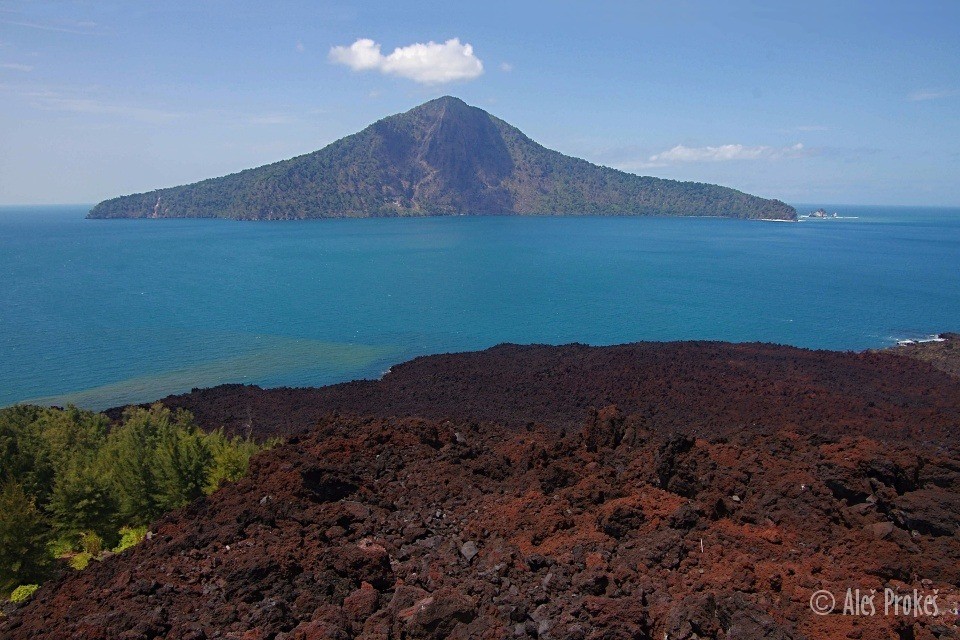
[[23, 538], [129, 457], [25, 455], [65, 472], [84, 499], [182, 460], [72, 433]]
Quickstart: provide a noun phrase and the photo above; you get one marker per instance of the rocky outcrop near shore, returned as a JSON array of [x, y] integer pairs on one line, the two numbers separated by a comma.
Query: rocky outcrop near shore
[[709, 388], [943, 353]]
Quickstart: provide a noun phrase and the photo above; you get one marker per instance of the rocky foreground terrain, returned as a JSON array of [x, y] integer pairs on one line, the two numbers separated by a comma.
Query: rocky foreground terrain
[[678, 491]]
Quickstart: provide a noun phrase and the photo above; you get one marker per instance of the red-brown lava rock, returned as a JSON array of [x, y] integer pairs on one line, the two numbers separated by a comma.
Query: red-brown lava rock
[[710, 493], [683, 387]]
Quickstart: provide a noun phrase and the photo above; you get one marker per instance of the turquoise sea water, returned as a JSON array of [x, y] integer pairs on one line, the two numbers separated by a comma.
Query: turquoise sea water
[[101, 313]]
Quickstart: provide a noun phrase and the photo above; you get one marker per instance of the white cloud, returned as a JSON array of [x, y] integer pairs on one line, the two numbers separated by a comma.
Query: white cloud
[[362, 55], [16, 66], [430, 63], [920, 96], [506, 67], [682, 154], [300, 47]]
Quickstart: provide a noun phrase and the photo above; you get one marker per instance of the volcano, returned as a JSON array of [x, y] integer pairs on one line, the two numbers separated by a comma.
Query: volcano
[[441, 158]]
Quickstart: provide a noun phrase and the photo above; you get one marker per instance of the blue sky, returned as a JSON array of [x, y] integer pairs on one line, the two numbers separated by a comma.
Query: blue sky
[[832, 102]]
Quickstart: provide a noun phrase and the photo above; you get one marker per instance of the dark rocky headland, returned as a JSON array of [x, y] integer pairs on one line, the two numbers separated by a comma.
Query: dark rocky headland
[[651, 490]]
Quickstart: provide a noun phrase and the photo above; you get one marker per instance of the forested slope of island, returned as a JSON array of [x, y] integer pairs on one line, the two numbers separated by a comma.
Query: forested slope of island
[[443, 157]]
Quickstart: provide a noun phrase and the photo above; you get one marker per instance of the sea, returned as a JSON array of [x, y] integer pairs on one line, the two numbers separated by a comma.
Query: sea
[[100, 313]]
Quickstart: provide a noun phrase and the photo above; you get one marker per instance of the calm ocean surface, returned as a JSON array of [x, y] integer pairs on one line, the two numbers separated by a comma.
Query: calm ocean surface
[[101, 313]]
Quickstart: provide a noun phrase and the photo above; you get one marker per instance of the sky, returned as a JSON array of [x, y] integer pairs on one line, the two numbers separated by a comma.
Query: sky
[[842, 102]]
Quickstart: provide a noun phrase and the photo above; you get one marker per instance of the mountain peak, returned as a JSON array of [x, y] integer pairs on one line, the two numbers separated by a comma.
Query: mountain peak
[[446, 106], [446, 101], [443, 157]]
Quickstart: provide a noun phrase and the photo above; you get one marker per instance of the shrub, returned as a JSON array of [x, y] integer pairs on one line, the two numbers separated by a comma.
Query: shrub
[[231, 457], [80, 561], [62, 546], [23, 592], [130, 537], [91, 543]]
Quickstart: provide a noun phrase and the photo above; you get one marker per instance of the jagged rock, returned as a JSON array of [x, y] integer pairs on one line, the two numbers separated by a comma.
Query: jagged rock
[[362, 603], [881, 530], [929, 511], [438, 614], [469, 550]]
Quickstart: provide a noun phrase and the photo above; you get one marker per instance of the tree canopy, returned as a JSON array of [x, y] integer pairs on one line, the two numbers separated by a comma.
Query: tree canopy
[[72, 484]]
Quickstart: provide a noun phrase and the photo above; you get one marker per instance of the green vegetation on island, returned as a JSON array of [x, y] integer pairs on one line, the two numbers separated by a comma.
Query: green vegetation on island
[[441, 158], [73, 486]]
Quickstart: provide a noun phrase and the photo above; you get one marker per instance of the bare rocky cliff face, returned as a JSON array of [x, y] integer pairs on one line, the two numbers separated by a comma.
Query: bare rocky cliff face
[[441, 158], [452, 160], [709, 493]]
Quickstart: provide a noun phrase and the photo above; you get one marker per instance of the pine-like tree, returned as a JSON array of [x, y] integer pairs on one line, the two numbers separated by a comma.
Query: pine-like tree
[[181, 464], [23, 538], [25, 455], [129, 458], [84, 500]]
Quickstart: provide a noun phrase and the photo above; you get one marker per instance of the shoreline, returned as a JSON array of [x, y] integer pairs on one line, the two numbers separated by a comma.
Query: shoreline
[[899, 344], [497, 383], [942, 351]]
